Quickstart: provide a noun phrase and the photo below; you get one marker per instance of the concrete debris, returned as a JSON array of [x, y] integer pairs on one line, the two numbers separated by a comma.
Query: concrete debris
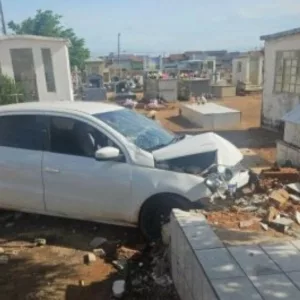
[[297, 217], [99, 252], [247, 190], [81, 282], [289, 174], [272, 214], [241, 202], [89, 258], [282, 224], [249, 208], [248, 223], [264, 226], [261, 212], [163, 280], [118, 288], [294, 187], [4, 259], [40, 242], [279, 198], [295, 199], [120, 264], [259, 199], [97, 241], [284, 215]]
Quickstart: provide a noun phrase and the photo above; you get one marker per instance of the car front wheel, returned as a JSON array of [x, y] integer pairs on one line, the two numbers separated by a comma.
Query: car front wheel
[[156, 212]]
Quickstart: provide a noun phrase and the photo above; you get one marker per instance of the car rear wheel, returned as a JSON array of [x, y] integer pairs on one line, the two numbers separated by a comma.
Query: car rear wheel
[[156, 212]]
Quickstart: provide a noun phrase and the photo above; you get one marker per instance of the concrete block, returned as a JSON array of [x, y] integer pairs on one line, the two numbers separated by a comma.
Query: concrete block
[[211, 115], [189, 219], [235, 289], [207, 291], [275, 287], [174, 232], [253, 260], [285, 255], [218, 263], [188, 264], [202, 237], [295, 278], [198, 279], [182, 244], [182, 288]]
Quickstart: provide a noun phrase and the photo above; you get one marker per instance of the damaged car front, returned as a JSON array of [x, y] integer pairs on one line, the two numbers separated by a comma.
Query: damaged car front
[[207, 155]]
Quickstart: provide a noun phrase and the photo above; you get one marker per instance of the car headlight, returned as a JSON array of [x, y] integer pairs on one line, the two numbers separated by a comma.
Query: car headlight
[[213, 182]]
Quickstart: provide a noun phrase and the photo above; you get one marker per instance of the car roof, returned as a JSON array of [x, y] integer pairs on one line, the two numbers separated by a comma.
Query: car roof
[[90, 108]]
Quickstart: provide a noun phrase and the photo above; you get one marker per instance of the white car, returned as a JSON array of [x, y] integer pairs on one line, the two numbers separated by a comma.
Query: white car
[[104, 163]]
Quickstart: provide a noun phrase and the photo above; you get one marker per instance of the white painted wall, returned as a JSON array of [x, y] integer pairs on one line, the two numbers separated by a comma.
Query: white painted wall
[[60, 60], [276, 105], [292, 133], [244, 75]]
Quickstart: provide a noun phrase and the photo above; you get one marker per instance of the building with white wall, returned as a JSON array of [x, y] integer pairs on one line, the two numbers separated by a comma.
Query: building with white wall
[[248, 69], [40, 64], [281, 76], [288, 149]]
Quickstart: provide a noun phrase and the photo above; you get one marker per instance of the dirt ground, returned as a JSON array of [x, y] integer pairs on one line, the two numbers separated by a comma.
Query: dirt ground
[[57, 270], [54, 271]]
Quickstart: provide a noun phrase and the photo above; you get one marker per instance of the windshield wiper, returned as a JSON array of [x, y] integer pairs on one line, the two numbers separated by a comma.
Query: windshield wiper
[[177, 138]]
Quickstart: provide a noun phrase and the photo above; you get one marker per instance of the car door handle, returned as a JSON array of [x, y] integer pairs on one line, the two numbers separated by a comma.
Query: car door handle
[[50, 170]]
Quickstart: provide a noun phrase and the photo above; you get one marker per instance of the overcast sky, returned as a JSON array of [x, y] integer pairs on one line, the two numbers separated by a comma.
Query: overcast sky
[[158, 26]]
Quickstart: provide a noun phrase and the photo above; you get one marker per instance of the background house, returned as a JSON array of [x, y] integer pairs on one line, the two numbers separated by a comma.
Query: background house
[[248, 68], [281, 76], [40, 64], [97, 67]]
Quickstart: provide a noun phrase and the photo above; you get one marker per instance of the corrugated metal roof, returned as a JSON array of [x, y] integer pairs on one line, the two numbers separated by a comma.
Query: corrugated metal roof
[[280, 34], [293, 116]]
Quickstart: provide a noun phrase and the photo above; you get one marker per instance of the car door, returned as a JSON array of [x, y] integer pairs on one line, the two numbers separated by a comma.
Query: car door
[[76, 184], [22, 138]]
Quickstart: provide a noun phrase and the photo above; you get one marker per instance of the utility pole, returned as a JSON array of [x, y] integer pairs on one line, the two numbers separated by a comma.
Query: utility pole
[[2, 19], [119, 48]]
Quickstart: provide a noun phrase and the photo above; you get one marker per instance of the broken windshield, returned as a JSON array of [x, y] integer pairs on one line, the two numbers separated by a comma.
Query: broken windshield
[[143, 132]]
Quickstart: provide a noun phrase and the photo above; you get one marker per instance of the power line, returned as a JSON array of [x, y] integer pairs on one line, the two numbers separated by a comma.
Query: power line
[[119, 48]]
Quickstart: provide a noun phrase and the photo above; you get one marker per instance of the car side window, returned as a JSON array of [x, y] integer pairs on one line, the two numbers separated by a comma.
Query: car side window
[[23, 131], [73, 137]]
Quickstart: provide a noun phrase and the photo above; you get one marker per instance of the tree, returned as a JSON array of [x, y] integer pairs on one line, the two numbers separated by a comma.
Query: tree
[[47, 23], [10, 91]]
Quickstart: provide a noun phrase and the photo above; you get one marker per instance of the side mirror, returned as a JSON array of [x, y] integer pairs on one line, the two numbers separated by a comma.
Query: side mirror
[[107, 153]]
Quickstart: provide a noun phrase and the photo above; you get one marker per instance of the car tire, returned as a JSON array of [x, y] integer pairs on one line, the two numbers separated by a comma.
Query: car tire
[[156, 212]]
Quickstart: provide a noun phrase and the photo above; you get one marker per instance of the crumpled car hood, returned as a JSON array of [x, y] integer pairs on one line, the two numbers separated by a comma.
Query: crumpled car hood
[[227, 153]]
